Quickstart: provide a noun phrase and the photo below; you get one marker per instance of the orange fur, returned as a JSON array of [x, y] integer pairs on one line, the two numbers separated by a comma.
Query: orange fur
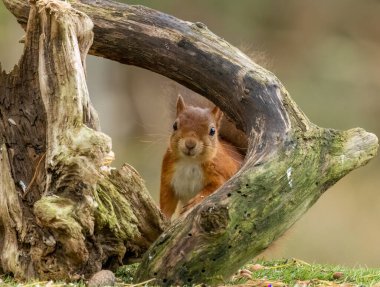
[[196, 162]]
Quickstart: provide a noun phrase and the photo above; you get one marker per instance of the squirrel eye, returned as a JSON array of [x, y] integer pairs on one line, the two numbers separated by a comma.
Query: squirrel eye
[[175, 126], [212, 131]]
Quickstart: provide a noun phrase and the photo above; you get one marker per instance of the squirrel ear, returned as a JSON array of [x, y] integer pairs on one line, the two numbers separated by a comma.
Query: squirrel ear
[[180, 104], [218, 114]]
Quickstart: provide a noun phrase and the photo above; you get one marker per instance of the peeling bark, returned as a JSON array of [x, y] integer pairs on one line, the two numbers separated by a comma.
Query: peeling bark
[[11, 217], [64, 212], [290, 161]]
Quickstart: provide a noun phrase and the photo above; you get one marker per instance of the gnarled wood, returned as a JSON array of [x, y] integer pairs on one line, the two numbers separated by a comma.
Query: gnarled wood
[[65, 212], [11, 217], [290, 161]]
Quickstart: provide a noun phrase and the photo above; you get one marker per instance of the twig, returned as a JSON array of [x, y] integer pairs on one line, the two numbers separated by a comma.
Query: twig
[[139, 284]]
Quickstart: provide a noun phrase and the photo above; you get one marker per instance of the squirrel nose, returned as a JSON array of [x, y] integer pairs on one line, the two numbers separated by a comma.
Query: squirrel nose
[[190, 144]]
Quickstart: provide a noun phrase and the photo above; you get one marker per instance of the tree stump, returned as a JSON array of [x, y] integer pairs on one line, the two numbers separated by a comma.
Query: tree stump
[[290, 161], [64, 211]]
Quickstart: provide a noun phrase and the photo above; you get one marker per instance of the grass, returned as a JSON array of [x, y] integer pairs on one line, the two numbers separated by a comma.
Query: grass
[[293, 272], [286, 272]]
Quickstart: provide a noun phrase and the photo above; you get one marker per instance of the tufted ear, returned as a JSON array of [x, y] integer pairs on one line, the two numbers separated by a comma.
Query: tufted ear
[[180, 104], [218, 115]]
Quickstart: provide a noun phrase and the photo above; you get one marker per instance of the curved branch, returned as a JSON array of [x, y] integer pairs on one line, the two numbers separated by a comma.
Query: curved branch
[[290, 161], [186, 52]]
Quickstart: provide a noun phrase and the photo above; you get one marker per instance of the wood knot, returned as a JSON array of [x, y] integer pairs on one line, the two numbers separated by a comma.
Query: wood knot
[[200, 25], [214, 219], [117, 14]]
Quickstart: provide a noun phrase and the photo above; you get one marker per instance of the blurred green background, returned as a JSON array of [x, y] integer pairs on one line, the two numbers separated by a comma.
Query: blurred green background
[[327, 54]]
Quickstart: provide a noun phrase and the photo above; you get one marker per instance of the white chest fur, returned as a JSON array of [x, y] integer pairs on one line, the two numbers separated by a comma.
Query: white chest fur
[[187, 180]]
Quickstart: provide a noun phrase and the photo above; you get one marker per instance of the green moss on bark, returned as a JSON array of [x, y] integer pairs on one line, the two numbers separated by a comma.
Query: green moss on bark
[[263, 201]]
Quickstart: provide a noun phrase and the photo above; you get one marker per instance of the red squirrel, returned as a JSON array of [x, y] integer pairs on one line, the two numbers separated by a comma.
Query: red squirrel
[[196, 162]]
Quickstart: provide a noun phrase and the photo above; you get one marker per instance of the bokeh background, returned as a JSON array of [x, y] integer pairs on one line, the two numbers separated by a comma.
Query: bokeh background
[[327, 54]]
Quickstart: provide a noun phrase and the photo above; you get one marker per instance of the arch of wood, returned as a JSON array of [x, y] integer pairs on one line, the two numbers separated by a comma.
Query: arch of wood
[[65, 213]]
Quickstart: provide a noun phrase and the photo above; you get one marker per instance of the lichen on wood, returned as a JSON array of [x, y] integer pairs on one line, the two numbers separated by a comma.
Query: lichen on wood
[[254, 208], [289, 163], [74, 214]]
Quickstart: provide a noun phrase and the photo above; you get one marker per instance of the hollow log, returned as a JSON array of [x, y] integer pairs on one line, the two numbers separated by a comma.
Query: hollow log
[[290, 161], [65, 213]]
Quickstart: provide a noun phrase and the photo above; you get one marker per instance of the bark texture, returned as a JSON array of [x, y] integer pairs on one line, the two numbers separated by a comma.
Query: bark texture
[[290, 162], [65, 212]]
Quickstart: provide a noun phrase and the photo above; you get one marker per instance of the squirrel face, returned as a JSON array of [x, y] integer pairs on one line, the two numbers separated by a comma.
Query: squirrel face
[[195, 132]]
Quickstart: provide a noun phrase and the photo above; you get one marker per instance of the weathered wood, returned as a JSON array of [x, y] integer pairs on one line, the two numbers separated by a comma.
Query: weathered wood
[[255, 207], [11, 217], [64, 212], [186, 52], [290, 161]]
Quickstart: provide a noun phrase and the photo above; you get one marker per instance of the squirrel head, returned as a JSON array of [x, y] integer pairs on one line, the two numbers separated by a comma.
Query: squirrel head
[[195, 131]]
